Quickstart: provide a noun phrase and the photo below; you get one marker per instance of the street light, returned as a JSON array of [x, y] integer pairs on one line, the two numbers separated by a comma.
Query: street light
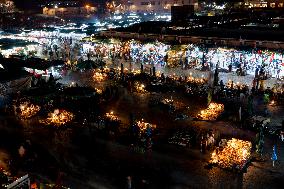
[[87, 8]]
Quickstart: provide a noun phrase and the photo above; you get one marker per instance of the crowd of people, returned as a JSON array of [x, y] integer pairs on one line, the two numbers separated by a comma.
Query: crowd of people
[[71, 48], [261, 64], [264, 63]]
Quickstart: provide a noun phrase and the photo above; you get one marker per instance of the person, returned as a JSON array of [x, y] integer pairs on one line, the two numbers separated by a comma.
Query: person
[[240, 114], [129, 182], [274, 155], [203, 144], [278, 74], [232, 85], [257, 84], [282, 136], [230, 68], [211, 140], [51, 79], [256, 73], [243, 97], [222, 84], [240, 71]]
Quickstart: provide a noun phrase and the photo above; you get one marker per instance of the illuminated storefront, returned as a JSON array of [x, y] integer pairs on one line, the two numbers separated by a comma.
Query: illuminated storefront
[[264, 4], [69, 11], [157, 5]]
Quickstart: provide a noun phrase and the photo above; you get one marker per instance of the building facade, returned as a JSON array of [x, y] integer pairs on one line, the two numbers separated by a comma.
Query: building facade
[[67, 8], [69, 11], [6, 6], [264, 3], [159, 6]]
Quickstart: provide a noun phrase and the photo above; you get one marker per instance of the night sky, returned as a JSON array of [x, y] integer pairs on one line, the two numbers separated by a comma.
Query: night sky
[[35, 4], [28, 4]]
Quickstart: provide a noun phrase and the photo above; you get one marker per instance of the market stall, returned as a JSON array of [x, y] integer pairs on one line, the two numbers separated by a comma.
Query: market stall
[[234, 154], [58, 118], [27, 110], [211, 112]]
